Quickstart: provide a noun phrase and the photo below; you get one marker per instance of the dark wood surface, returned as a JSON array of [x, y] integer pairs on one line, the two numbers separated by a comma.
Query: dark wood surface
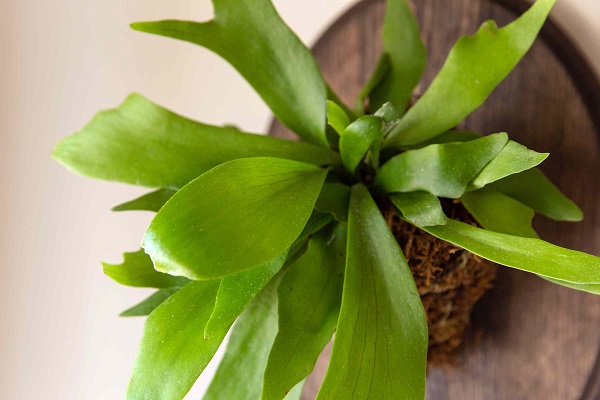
[[529, 339]]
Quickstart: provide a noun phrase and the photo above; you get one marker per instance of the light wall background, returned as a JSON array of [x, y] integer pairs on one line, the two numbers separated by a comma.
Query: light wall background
[[60, 62]]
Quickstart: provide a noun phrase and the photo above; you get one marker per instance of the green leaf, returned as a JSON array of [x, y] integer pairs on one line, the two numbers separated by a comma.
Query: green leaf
[[475, 66], [237, 216], [143, 144], [441, 169], [380, 348], [381, 70], [358, 138], [240, 373], [309, 302], [147, 306], [237, 291], [138, 270], [533, 189], [420, 208], [296, 392], [332, 96], [527, 254], [513, 158], [316, 222], [499, 213], [251, 36], [149, 202], [334, 199], [388, 114], [173, 351], [337, 117], [448, 137], [584, 287], [407, 57]]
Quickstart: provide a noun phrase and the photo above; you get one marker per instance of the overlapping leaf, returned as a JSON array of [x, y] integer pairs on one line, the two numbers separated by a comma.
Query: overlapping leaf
[[420, 208], [337, 117], [138, 270], [381, 70], [380, 347], [533, 189], [147, 306], [584, 287], [149, 202], [404, 48], [360, 136], [309, 301], [237, 291], [513, 158], [251, 36], [499, 213], [143, 144], [441, 169], [235, 217], [240, 373], [527, 254], [475, 66], [173, 351], [334, 200], [452, 136]]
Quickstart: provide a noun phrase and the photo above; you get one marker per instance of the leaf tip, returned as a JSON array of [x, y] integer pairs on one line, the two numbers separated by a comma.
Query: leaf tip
[[140, 26]]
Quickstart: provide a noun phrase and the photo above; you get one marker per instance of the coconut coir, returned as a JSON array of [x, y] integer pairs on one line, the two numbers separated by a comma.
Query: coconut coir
[[450, 280]]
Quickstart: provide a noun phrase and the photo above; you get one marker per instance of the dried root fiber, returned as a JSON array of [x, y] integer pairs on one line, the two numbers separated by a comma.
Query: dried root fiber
[[450, 281]]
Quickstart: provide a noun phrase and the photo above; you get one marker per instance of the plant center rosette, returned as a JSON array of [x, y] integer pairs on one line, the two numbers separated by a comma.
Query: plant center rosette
[[375, 226]]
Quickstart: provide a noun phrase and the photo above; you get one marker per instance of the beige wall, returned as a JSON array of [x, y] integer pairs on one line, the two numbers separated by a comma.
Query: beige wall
[[60, 61]]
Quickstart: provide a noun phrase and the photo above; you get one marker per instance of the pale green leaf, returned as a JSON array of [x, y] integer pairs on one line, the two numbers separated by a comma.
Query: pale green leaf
[[240, 373], [407, 58], [337, 117], [296, 392], [420, 208], [173, 351], [380, 347], [147, 306], [441, 169], [513, 158], [334, 199], [533, 189], [309, 301], [497, 212], [358, 138], [237, 216], [527, 254], [138, 270], [143, 144], [251, 36], [149, 202], [475, 66]]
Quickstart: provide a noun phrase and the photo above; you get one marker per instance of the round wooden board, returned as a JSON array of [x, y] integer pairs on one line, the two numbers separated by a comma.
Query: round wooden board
[[529, 339]]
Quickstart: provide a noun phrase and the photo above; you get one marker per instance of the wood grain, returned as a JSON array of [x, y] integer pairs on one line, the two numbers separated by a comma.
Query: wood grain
[[529, 339]]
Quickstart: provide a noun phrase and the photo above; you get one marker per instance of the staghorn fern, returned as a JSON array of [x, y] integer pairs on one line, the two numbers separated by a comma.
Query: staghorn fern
[[285, 237]]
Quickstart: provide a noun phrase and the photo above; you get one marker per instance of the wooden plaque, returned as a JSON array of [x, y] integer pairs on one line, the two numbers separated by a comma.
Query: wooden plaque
[[529, 340]]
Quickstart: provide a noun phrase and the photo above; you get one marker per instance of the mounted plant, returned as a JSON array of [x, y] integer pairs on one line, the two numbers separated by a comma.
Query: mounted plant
[[294, 241]]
